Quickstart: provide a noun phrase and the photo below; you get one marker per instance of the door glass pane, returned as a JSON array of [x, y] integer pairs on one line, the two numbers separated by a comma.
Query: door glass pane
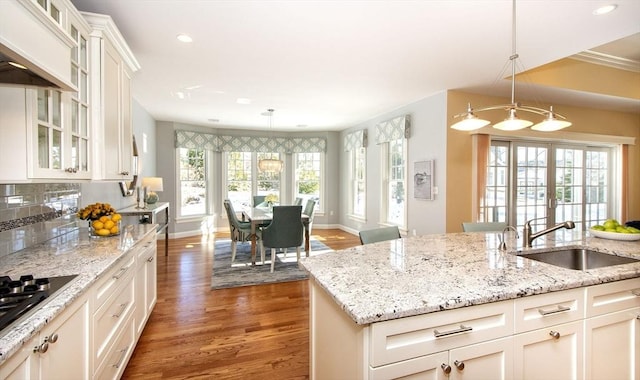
[[83, 53], [597, 189], [83, 87], [55, 13], [568, 185], [84, 155], [74, 75], [531, 184], [43, 105], [74, 116], [43, 147], [56, 150], [75, 142], [56, 103], [83, 120]]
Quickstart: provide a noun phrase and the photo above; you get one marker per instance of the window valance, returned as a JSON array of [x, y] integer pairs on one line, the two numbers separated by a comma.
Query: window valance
[[227, 143], [355, 139], [393, 129]]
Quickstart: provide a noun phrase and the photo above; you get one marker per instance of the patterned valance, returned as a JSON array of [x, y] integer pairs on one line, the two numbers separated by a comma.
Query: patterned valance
[[355, 139], [196, 140], [226, 143], [393, 129]]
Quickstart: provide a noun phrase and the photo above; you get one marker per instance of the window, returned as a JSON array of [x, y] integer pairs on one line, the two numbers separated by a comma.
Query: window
[[551, 183], [79, 103], [309, 171], [244, 180], [358, 182], [193, 189], [394, 182]]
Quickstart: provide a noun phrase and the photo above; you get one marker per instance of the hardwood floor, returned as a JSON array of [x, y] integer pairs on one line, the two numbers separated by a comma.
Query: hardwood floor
[[254, 332]]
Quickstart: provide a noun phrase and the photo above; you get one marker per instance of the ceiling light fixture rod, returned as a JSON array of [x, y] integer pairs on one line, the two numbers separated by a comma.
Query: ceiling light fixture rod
[[471, 122]]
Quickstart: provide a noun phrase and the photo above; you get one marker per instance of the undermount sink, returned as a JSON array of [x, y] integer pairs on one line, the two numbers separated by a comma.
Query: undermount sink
[[579, 259]]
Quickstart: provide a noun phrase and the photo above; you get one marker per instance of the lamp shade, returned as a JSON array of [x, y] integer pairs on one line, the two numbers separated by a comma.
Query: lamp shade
[[152, 183]]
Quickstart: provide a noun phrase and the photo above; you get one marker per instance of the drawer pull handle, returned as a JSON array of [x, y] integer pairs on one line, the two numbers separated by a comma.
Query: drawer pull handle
[[446, 368], [554, 334], [123, 306], [150, 259], [120, 273], [123, 354], [560, 309], [462, 329]]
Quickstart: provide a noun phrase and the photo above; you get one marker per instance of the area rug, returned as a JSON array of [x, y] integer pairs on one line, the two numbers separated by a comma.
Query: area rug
[[242, 273]]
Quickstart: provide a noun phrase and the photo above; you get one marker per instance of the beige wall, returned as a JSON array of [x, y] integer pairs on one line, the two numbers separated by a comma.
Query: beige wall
[[591, 121]]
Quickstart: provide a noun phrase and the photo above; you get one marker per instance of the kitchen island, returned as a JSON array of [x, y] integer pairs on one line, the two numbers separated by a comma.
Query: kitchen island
[[110, 300], [400, 307]]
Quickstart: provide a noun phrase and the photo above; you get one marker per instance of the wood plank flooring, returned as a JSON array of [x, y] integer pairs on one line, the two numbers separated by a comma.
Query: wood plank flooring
[[255, 332]]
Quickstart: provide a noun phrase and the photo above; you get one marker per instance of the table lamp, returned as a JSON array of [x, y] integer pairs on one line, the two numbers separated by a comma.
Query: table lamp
[[151, 185]]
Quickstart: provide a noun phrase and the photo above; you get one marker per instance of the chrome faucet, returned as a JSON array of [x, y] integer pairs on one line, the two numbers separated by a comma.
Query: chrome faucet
[[503, 243], [528, 236]]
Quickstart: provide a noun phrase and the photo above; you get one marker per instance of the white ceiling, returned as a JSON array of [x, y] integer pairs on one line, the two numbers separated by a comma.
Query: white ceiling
[[332, 64]]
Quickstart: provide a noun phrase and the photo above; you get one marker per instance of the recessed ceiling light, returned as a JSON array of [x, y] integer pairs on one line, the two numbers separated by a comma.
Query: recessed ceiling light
[[214, 120], [243, 101], [301, 125], [605, 9], [184, 38]]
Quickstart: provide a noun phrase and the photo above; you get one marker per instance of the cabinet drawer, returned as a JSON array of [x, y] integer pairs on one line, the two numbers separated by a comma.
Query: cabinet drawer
[[118, 356], [549, 309], [406, 338], [612, 297], [113, 278], [424, 367], [109, 318]]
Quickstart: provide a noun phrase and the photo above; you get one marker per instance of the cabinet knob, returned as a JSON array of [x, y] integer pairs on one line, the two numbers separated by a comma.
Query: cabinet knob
[[459, 365], [41, 349], [53, 338], [71, 170], [446, 368], [554, 334]]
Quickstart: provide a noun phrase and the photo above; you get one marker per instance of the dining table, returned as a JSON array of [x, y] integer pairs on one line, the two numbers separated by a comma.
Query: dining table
[[259, 216]]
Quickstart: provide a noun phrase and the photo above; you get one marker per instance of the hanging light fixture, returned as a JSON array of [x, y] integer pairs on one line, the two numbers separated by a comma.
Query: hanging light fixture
[[270, 165], [471, 122]]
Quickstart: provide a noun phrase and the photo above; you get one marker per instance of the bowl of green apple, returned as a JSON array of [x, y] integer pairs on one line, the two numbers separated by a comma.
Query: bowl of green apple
[[613, 230]]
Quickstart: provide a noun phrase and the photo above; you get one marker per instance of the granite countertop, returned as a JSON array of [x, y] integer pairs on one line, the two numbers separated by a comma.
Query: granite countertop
[[430, 273], [74, 253]]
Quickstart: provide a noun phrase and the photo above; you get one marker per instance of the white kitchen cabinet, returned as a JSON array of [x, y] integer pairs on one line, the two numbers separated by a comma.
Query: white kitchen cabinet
[[36, 38], [59, 351], [550, 353], [114, 305], [146, 279], [612, 331], [112, 65]]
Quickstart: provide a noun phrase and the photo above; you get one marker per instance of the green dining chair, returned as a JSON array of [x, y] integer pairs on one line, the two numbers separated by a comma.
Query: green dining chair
[[379, 234], [286, 230], [258, 199], [239, 231]]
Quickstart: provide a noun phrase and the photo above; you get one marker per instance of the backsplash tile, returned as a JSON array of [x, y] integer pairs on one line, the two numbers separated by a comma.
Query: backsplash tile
[[33, 213]]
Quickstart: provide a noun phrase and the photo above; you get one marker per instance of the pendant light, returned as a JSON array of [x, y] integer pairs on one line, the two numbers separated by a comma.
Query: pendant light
[[471, 122], [270, 165]]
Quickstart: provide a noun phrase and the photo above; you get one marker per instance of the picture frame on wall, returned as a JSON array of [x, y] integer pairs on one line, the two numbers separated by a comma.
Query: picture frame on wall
[[423, 180]]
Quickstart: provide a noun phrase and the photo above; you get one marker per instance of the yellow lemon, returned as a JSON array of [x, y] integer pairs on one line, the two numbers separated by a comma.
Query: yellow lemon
[[114, 230], [104, 218], [103, 232], [109, 224], [97, 225], [116, 217]]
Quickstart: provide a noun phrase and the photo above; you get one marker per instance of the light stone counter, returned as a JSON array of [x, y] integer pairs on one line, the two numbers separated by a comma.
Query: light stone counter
[[424, 274], [73, 253]]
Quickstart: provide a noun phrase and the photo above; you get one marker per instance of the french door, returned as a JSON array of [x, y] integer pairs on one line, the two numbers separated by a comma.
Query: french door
[[551, 183]]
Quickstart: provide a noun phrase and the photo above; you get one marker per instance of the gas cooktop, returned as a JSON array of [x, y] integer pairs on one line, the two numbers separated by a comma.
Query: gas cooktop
[[25, 295]]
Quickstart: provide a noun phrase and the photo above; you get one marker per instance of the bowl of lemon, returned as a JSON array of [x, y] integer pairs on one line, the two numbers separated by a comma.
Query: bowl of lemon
[[103, 219], [613, 230]]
